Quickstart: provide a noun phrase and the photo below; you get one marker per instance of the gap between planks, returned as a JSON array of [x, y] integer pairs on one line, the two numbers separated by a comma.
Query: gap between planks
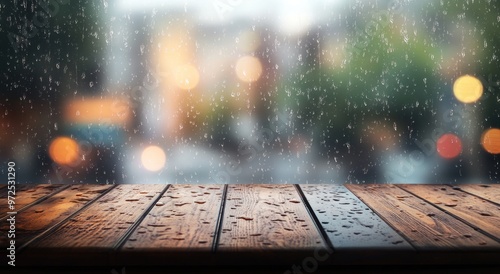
[[220, 219], [315, 219], [134, 226]]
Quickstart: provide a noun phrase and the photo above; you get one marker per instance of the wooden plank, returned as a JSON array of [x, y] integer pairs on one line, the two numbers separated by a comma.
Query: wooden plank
[[102, 223], [426, 227], [267, 217], [90, 236], [28, 194], [49, 212], [185, 217], [478, 213], [183, 220], [488, 192], [348, 222]]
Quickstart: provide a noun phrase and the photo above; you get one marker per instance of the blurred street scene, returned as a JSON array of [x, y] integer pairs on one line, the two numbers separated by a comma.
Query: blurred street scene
[[272, 91]]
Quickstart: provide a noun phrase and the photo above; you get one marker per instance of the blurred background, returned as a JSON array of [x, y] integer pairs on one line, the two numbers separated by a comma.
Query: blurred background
[[229, 91]]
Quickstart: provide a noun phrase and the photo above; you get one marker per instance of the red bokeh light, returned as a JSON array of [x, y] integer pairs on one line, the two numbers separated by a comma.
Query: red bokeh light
[[449, 146]]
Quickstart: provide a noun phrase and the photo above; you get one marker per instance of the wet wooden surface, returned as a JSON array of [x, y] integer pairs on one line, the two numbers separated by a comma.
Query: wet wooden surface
[[266, 217], [58, 207], [26, 195], [488, 192], [425, 225], [477, 212], [187, 225], [184, 218], [348, 222]]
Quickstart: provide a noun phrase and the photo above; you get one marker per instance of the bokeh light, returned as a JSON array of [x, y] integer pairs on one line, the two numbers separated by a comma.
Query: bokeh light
[[467, 89], [491, 140], [248, 69], [153, 158], [449, 146], [110, 110], [64, 151], [186, 77], [295, 18]]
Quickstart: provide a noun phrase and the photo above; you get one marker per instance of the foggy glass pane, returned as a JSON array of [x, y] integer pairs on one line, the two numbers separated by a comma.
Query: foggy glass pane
[[251, 91]]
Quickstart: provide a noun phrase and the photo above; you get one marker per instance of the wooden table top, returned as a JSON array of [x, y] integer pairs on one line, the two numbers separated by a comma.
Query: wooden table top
[[303, 225]]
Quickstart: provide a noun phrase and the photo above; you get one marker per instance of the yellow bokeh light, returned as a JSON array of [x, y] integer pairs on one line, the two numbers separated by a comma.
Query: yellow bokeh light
[[64, 151], [111, 110], [153, 158], [186, 77], [468, 89], [248, 69], [491, 140]]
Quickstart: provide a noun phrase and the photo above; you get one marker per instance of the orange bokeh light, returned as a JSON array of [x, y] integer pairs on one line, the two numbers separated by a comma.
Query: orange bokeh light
[[186, 77], [248, 69], [491, 140], [449, 146], [64, 151], [98, 110]]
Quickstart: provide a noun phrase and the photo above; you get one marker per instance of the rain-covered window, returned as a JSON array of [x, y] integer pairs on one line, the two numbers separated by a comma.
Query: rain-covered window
[[227, 91]]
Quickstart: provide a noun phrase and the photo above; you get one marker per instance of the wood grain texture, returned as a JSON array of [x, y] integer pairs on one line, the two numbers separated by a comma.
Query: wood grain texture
[[106, 220], [488, 192], [54, 209], [185, 217], [27, 194], [267, 217], [426, 227], [477, 212], [348, 222]]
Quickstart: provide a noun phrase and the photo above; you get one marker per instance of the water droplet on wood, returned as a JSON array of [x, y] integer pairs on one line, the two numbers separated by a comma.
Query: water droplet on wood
[[157, 225], [181, 204]]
